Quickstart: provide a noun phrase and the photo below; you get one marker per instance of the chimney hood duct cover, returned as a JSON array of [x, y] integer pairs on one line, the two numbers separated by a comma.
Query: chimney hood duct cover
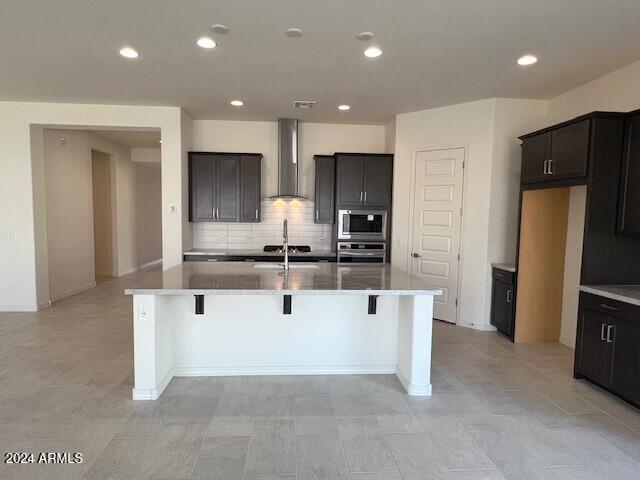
[[287, 158]]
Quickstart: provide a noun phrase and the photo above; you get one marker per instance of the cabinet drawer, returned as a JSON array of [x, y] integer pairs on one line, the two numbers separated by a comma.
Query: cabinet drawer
[[503, 276], [613, 308]]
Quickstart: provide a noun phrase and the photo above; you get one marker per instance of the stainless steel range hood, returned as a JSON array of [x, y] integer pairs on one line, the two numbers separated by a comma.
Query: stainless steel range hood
[[287, 159]]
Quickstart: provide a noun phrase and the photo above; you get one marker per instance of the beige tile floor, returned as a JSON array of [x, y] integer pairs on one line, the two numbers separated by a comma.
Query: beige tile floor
[[498, 411]]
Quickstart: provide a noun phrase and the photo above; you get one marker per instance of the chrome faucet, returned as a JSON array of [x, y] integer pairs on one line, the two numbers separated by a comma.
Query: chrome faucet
[[285, 237]]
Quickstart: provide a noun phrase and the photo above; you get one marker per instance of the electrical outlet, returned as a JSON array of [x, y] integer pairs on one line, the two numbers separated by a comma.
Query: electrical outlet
[[8, 236], [143, 314]]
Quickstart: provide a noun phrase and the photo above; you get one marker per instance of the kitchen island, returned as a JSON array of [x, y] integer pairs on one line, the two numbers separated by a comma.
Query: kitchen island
[[237, 318]]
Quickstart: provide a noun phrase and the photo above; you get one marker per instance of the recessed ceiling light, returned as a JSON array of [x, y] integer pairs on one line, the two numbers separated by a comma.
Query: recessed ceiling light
[[293, 32], [372, 52], [128, 52], [365, 36], [237, 103], [219, 28], [344, 108], [527, 60], [206, 42]]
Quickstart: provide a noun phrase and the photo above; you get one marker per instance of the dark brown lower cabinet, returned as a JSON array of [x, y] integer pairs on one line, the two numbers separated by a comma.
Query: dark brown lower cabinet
[[503, 301], [608, 345]]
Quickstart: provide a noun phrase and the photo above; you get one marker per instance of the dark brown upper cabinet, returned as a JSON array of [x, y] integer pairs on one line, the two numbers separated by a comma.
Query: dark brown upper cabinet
[[250, 188], [536, 151], [364, 179], [629, 206], [325, 189], [202, 198], [378, 174], [349, 179], [557, 154], [227, 180], [216, 193]]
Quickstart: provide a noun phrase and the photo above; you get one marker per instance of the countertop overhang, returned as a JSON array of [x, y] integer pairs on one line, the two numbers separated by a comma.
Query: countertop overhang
[[623, 293], [254, 253], [238, 278]]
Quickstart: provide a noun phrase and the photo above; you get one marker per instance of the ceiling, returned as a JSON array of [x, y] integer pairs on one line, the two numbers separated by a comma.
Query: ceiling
[[435, 53], [133, 138]]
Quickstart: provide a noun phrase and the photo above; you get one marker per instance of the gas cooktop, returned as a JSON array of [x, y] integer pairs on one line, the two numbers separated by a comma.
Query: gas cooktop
[[291, 249]]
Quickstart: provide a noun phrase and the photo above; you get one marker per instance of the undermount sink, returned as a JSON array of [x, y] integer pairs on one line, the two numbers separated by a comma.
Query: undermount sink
[[280, 266]]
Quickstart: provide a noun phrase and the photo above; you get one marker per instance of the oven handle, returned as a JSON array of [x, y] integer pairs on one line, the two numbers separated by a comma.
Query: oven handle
[[380, 253]]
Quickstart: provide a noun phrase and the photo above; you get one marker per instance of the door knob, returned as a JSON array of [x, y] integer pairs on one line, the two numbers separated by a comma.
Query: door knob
[[416, 255]]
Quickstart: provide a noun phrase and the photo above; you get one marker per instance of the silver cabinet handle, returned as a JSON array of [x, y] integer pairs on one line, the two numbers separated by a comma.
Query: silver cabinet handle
[[317, 213], [217, 213], [544, 167], [550, 167], [365, 196], [508, 296], [609, 330], [256, 213], [602, 332], [360, 196]]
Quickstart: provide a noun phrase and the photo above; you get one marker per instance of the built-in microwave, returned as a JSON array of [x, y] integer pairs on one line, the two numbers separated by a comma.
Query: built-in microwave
[[362, 225]]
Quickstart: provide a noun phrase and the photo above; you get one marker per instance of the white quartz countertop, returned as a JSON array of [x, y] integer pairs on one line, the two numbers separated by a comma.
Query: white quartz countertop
[[256, 253], [622, 293], [239, 278], [507, 267]]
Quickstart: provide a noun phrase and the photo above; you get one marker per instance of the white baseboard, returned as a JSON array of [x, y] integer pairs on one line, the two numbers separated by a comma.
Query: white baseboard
[[485, 327], [18, 308], [283, 370], [141, 267], [153, 393], [73, 292], [412, 389]]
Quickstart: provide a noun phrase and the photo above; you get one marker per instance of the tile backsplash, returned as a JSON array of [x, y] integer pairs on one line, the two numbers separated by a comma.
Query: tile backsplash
[[302, 229]]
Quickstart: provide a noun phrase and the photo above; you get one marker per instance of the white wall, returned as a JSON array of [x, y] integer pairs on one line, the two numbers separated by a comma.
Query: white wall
[[150, 156], [136, 212], [19, 238], [69, 207], [468, 125], [572, 265], [262, 137], [488, 131], [148, 214], [616, 92]]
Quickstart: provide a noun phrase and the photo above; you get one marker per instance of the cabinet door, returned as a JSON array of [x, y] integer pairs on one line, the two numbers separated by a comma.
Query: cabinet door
[[228, 188], [570, 151], [325, 189], [502, 307], [535, 152], [378, 179], [592, 347], [629, 215], [202, 201], [350, 179], [250, 188], [624, 340]]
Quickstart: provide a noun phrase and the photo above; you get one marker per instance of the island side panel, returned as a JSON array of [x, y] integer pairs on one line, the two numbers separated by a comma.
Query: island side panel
[[152, 345], [415, 329], [249, 335]]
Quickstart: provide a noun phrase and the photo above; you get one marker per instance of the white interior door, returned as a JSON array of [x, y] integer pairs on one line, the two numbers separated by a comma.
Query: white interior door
[[437, 221]]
